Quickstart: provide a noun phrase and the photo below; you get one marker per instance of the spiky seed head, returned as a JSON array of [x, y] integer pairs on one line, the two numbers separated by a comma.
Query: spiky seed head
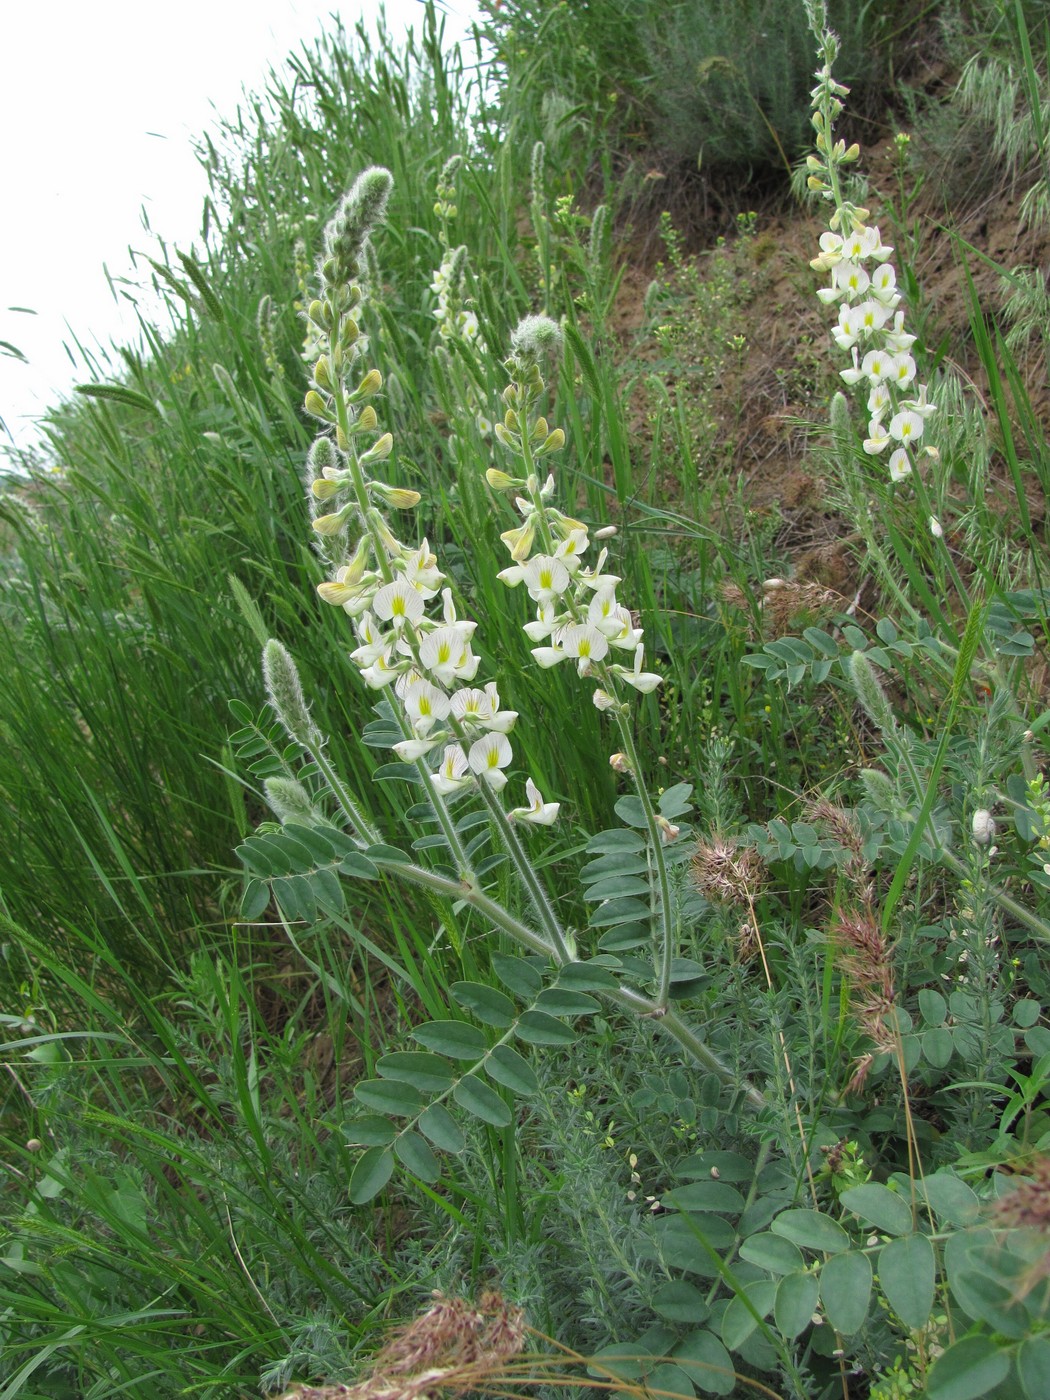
[[727, 874]]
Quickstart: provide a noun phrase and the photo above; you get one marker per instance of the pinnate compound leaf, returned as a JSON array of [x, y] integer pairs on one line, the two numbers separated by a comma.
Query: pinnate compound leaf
[[969, 1369], [1033, 1367], [254, 900], [490, 1007], [795, 1304], [369, 1131], [459, 1040], [952, 1201], [908, 1276], [416, 1156], [561, 1001], [389, 1096], [428, 1073], [587, 977], [740, 1319], [616, 840], [845, 1291], [811, 1229], [668, 1379], [681, 1302], [622, 1360], [517, 975], [358, 867], [773, 1253], [706, 1195], [707, 1363], [512, 1070], [879, 1206], [477, 1098], [537, 1028], [442, 1129], [371, 1174]]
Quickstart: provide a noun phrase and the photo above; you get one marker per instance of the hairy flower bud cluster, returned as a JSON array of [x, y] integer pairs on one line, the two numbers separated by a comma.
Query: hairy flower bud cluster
[[577, 614], [457, 322], [864, 288]]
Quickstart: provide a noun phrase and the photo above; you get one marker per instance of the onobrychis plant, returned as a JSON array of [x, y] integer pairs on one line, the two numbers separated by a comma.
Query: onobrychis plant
[[414, 646]]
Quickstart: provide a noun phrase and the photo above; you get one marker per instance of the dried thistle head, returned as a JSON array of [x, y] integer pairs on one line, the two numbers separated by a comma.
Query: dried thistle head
[[734, 597], [785, 601], [864, 954], [866, 958], [841, 826], [454, 1332], [1028, 1205], [456, 1347], [725, 873]]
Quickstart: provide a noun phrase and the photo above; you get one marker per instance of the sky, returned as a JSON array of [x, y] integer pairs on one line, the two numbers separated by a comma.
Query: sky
[[100, 103]]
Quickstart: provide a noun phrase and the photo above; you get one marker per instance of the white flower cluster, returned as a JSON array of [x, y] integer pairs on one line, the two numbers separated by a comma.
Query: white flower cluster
[[430, 663], [455, 321], [872, 328], [577, 612]]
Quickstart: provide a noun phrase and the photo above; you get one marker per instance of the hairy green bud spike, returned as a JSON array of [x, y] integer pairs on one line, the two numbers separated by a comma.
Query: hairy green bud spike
[[536, 338], [539, 155], [345, 237], [285, 693], [879, 789], [840, 423], [598, 242], [871, 695], [290, 802], [322, 454]]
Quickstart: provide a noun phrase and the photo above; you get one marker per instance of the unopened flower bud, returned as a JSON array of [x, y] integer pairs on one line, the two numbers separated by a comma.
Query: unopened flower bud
[[331, 524], [380, 449], [606, 532], [371, 384], [618, 763], [554, 443], [325, 490], [366, 419], [501, 481], [397, 497], [316, 406]]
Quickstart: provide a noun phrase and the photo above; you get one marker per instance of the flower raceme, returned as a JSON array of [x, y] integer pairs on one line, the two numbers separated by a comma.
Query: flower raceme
[[386, 586], [578, 616], [863, 285]]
